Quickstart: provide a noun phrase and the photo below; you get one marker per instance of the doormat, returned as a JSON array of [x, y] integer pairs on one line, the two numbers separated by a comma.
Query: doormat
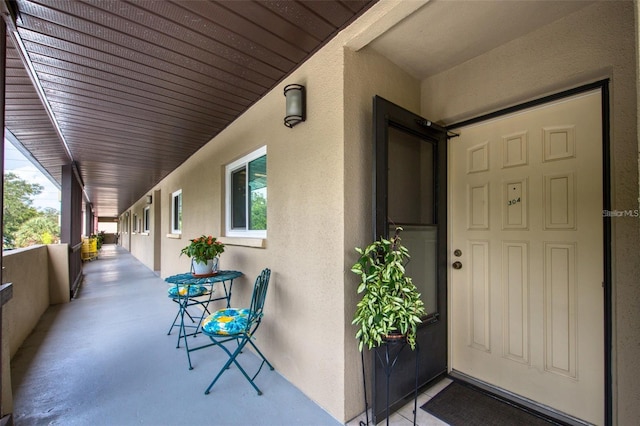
[[464, 405]]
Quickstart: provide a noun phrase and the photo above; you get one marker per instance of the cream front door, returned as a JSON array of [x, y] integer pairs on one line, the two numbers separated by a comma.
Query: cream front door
[[526, 305]]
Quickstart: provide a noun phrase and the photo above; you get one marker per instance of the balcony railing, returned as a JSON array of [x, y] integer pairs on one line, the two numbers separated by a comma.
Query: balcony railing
[[39, 277]]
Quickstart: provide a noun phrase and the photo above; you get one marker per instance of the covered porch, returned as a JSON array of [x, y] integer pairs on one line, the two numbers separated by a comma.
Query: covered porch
[[106, 358], [164, 185]]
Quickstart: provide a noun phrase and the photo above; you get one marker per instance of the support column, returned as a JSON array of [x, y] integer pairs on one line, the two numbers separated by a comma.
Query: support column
[[71, 223]]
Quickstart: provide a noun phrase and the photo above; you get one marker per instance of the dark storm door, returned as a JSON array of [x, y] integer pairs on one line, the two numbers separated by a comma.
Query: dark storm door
[[410, 191]]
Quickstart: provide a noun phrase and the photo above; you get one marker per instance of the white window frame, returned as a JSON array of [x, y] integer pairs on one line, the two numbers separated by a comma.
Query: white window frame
[[229, 169], [174, 195], [125, 223], [135, 223], [146, 219]]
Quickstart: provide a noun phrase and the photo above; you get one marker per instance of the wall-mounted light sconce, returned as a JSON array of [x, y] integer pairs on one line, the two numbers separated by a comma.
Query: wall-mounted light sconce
[[296, 104], [149, 199]]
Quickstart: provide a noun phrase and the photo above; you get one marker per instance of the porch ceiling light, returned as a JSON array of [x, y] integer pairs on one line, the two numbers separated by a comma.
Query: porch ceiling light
[[296, 104]]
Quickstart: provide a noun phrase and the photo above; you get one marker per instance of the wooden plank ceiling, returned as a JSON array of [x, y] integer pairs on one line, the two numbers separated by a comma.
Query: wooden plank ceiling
[[136, 87]]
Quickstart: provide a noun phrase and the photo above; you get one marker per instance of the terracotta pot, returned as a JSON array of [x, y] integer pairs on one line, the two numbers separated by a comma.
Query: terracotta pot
[[394, 338]]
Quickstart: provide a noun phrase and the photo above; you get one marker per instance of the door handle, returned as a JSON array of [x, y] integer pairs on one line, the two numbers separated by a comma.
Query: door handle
[[457, 265]]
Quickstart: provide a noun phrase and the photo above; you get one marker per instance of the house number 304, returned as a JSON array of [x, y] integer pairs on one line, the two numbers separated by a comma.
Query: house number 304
[[514, 201]]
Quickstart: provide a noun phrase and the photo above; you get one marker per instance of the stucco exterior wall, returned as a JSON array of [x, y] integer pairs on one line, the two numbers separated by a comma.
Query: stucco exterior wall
[[303, 330], [594, 43], [39, 278], [27, 270], [59, 287], [142, 243], [366, 74]]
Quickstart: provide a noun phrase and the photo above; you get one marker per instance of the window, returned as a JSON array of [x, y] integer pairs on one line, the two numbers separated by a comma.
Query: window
[[176, 212], [135, 223], [246, 179], [145, 220]]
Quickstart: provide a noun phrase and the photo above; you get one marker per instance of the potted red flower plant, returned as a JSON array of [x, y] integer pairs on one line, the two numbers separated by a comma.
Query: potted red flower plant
[[204, 252]]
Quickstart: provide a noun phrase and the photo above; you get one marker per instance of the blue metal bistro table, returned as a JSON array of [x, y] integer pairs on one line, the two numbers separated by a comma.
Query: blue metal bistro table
[[189, 290]]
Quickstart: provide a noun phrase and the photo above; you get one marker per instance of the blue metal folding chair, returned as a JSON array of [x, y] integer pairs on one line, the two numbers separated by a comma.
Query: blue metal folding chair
[[190, 291], [188, 296], [239, 325]]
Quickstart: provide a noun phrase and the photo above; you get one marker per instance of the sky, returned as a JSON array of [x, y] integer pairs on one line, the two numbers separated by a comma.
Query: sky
[[17, 163]]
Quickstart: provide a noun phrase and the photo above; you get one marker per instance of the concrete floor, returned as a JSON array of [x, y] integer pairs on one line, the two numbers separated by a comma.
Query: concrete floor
[[106, 359]]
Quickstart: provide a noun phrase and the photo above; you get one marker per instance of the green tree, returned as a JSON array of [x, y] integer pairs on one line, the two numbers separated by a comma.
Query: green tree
[[18, 196], [40, 229], [258, 212]]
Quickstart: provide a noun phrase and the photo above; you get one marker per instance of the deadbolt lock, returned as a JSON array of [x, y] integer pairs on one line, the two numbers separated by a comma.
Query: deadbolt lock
[[457, 252]]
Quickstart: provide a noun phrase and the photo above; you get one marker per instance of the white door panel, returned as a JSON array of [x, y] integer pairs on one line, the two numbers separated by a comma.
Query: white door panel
[[525, 194]]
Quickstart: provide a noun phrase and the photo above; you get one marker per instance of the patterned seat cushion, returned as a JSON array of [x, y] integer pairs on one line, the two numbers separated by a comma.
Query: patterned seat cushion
[[181, 291], [226, 321]]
